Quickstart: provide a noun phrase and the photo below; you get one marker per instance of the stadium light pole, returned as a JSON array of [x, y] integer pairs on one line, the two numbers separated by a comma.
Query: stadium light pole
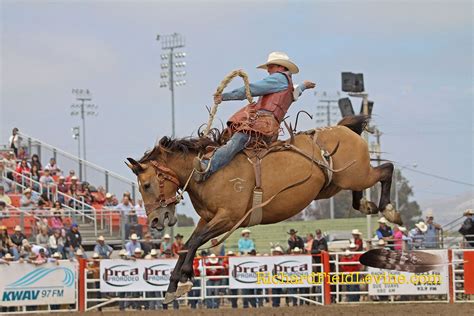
[[76, 134], [169, 43], [83, 110], [169, 77], [326, 114]]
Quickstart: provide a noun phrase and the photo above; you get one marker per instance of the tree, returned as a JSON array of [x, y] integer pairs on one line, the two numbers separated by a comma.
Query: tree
[[185, 221]]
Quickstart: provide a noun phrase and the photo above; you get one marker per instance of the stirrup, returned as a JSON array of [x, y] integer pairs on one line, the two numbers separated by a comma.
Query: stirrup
[[199, 174]]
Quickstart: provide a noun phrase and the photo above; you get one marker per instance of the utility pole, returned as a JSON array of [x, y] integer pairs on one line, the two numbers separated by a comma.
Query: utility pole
[[327, 115], [169, 43], [76, 134], [84, 110]]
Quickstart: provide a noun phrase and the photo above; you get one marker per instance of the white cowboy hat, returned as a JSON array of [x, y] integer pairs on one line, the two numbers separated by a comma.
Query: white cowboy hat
[[27, 190], [281, 59], [382, 220], [469, 211], [148, 257], [296, 250], [17, 228], [101, 238], [57, 255], [429, 213], [108, 195], [277, 249], [356, 232], [230, 253], [352, 245], [123, 252], [134, 237], [166, 236], [245, 231], [137, 250], [95, 256], [381, 242], [8, 257], [153, 252], [73, 178], [213, 259], [402, 229], [79, 252], [422, 226]]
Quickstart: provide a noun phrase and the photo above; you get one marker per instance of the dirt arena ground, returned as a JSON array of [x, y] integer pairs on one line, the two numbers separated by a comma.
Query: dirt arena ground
[[337, 310]]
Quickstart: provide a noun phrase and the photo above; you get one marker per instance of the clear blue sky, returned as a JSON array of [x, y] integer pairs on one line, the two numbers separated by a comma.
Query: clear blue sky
[[417, 57]]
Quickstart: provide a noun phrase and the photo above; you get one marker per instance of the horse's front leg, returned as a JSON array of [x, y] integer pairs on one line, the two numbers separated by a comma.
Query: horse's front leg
[[176, 274], [220, 224]]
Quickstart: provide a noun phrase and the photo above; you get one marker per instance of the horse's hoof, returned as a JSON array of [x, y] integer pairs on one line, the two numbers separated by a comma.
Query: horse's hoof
[[169, 297], [392, 215], [367, 207], [183, 288]]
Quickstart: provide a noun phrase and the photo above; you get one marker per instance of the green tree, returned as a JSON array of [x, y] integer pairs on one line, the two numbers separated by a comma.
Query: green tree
[[185, 221]]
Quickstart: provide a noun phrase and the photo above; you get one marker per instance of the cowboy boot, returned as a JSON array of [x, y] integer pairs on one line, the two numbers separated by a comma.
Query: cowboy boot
[[199, 171]]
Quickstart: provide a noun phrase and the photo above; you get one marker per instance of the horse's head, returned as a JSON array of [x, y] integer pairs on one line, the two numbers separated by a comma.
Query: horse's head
[[158, 186]]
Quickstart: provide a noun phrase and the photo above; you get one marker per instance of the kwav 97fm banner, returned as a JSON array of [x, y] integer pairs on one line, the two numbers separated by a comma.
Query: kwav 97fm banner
[[139, 275], [24, 284], [391, 282], [270, 272]]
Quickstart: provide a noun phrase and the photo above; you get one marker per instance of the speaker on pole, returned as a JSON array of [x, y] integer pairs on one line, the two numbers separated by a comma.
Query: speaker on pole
[[345, 106]]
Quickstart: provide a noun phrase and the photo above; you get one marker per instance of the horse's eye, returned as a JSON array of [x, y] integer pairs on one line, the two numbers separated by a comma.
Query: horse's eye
[[146, 186]]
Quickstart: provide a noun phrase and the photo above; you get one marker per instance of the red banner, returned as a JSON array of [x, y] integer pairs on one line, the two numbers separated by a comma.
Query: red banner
[[469, 272]]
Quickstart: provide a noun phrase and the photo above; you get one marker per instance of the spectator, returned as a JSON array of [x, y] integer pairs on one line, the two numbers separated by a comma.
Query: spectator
[[125, 207], [15, 141], [167, 254], [74, 241], [74, 183], [22, 154], [195, 293], [166, 244], [140, 209], [10, 163], [35, 162], [357, 237], [102, 249], [6, 244], [132, 245], [294, 290], [214, 269], [232, 292], [53, 167], [309, 243], [294, 240], [24, 172], [3, 197], [43, 202], [17, 237], [27, 201], [99, 195], [35, 176], [319, 244], [417, 234], [56, 243], [110, 201], [137, 253], [40, 258], [72, 173], [147, 245], [397, 238], [42, 238], [3, 182], [218, 250], [277, 251], [87, 195], [57, 220], [433, 229], [178, 244], [7, 259], [3, 210], [245, 244], [352, 269], [467, 228], [47, 181], [384, 231]]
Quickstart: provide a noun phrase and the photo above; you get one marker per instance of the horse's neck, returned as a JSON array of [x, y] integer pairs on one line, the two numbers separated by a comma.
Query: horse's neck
[[182, 165]]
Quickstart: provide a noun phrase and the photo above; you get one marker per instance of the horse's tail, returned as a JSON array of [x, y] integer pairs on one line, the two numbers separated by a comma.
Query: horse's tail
[[355, 123]]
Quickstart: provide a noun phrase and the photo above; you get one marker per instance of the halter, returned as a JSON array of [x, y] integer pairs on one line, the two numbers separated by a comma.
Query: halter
[[165, 174]]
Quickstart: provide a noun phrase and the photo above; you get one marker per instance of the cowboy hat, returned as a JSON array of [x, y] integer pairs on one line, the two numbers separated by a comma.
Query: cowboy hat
[[381, 242], [297, 250], [137, 251], [429, 213], [17, 228], [382, 220], [8, 257], [95, 256], [27, 190], [108, 195], [422, 226], [123, 252], [469, 211], [79, 252], [292, 231], [25, 242], [57, 255], [402, 229], [213, 259], [134, 237], [148, 257], [166, 236], [356, 232], [353, 245], [101, 238], [277, 249], [245, 231], [281, 59], [153, 252], [230, 253]]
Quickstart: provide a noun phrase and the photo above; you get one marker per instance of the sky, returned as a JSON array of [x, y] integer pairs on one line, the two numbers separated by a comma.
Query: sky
[[416, 57]]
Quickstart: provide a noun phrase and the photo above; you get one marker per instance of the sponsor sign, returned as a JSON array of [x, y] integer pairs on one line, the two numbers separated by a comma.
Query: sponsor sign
[[432, 282], [23, 284], [140, 275], [270, 272]]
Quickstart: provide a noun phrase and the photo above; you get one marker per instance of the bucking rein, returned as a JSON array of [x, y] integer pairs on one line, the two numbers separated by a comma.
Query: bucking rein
[[257, 204]]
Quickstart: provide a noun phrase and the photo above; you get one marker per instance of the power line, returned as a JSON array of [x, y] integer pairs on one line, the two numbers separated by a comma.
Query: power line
[[439, 177]]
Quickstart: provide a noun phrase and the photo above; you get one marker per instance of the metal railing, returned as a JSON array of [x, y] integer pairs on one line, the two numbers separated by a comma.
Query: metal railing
[[99, 176]]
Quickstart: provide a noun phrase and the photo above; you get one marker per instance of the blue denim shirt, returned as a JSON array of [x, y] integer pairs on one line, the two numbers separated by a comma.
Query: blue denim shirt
[[273, 83]]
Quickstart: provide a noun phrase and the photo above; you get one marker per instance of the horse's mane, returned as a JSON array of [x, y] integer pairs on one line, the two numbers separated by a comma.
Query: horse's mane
[[185, 145]]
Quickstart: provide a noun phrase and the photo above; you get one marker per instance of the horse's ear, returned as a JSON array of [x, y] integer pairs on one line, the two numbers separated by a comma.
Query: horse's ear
[[134, 165]]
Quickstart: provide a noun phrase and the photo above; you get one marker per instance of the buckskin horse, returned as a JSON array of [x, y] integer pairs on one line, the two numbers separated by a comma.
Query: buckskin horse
[[224, 200]]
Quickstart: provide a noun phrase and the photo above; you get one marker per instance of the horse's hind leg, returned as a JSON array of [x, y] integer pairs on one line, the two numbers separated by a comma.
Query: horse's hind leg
[[384, 205]]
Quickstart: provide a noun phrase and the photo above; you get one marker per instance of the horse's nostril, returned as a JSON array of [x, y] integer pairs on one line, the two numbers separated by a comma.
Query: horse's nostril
[[154, 223]]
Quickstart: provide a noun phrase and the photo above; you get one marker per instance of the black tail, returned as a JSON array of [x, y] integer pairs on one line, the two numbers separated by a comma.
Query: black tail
[[355, 123]]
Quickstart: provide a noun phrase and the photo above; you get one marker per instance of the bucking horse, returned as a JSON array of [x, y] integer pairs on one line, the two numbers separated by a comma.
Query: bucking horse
[[309, 166]]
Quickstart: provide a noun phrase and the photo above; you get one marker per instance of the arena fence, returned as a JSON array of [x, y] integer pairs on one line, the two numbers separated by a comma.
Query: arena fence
[[95, 285]]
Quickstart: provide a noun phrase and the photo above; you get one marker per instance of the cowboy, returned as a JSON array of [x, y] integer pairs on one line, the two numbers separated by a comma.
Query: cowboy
[[467, 228], [102, 249], [418, 234], [294, 241], [384, 231], [245, 243], [276, 94], [431, 235], [357, 236]]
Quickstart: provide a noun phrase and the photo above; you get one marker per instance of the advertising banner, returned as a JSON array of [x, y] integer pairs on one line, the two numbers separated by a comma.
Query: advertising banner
[[270, 272], [48, 284], [131, 276], [389, 282]]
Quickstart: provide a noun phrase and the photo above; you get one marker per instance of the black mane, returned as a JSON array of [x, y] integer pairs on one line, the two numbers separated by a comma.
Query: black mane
[[185, 145]]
